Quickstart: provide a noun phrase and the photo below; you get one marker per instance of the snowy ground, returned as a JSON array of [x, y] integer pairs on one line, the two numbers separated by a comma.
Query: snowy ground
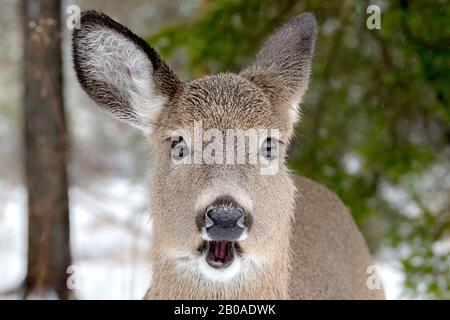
[[110, 240]]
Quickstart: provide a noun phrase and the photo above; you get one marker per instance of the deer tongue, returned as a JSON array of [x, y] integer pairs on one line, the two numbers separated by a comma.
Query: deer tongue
[[220, 254], [221, 250]]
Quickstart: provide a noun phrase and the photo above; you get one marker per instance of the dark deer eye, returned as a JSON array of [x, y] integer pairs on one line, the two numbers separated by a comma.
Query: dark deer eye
[[269, 149], [179, 148]]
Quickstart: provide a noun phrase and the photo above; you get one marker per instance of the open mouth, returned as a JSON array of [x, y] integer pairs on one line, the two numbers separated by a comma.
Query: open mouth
[[221, 253]]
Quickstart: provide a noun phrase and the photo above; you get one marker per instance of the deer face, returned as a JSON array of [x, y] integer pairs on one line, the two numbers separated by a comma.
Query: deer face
[[221, 195]]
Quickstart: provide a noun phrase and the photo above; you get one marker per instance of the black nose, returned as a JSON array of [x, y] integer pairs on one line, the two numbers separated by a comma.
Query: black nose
[[224, 223]]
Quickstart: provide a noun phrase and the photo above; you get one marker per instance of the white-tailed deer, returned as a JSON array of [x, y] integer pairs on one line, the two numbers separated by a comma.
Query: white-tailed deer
[[226, 231]]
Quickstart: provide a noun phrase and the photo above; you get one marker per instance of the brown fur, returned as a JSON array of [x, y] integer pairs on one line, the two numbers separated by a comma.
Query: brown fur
[[303, 241]]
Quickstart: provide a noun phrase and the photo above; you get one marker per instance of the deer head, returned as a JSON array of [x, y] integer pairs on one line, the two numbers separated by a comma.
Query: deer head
[[215, 221]]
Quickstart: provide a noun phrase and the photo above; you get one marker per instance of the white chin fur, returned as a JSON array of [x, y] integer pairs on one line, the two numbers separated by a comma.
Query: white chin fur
[[219, 275], [196, 267]]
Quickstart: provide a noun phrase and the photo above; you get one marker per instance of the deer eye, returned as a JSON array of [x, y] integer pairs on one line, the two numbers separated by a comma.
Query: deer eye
[[179, 148], [269, 148]]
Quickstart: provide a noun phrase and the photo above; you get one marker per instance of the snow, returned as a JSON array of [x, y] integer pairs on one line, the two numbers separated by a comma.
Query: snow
[[110, 241], [12, 236], [392, 279]]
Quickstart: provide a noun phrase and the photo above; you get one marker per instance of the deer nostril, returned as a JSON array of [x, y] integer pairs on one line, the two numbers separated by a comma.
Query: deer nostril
[[208, 221], [240, 222]]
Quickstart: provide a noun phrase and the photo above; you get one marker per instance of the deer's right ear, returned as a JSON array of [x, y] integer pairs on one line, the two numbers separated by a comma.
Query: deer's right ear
[[283, 65], [120, 71]]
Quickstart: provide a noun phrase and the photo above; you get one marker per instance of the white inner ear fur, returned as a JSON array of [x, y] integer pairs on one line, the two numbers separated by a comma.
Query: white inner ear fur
[[112, 58]]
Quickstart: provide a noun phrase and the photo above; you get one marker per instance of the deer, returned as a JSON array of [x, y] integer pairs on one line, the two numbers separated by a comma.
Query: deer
[[226, 231]]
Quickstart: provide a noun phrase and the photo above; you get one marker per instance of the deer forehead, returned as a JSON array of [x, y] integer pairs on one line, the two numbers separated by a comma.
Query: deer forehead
[[224, 101]]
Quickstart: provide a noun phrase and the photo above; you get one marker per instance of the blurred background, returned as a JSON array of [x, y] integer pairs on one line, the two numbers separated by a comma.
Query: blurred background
[[375, 129]]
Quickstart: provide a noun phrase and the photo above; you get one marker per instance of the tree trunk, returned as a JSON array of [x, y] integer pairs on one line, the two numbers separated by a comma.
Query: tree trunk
[[46, 152]]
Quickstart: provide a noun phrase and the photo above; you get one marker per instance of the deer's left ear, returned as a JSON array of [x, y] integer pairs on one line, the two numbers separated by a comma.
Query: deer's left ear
[[120, 71], [283, 65]]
